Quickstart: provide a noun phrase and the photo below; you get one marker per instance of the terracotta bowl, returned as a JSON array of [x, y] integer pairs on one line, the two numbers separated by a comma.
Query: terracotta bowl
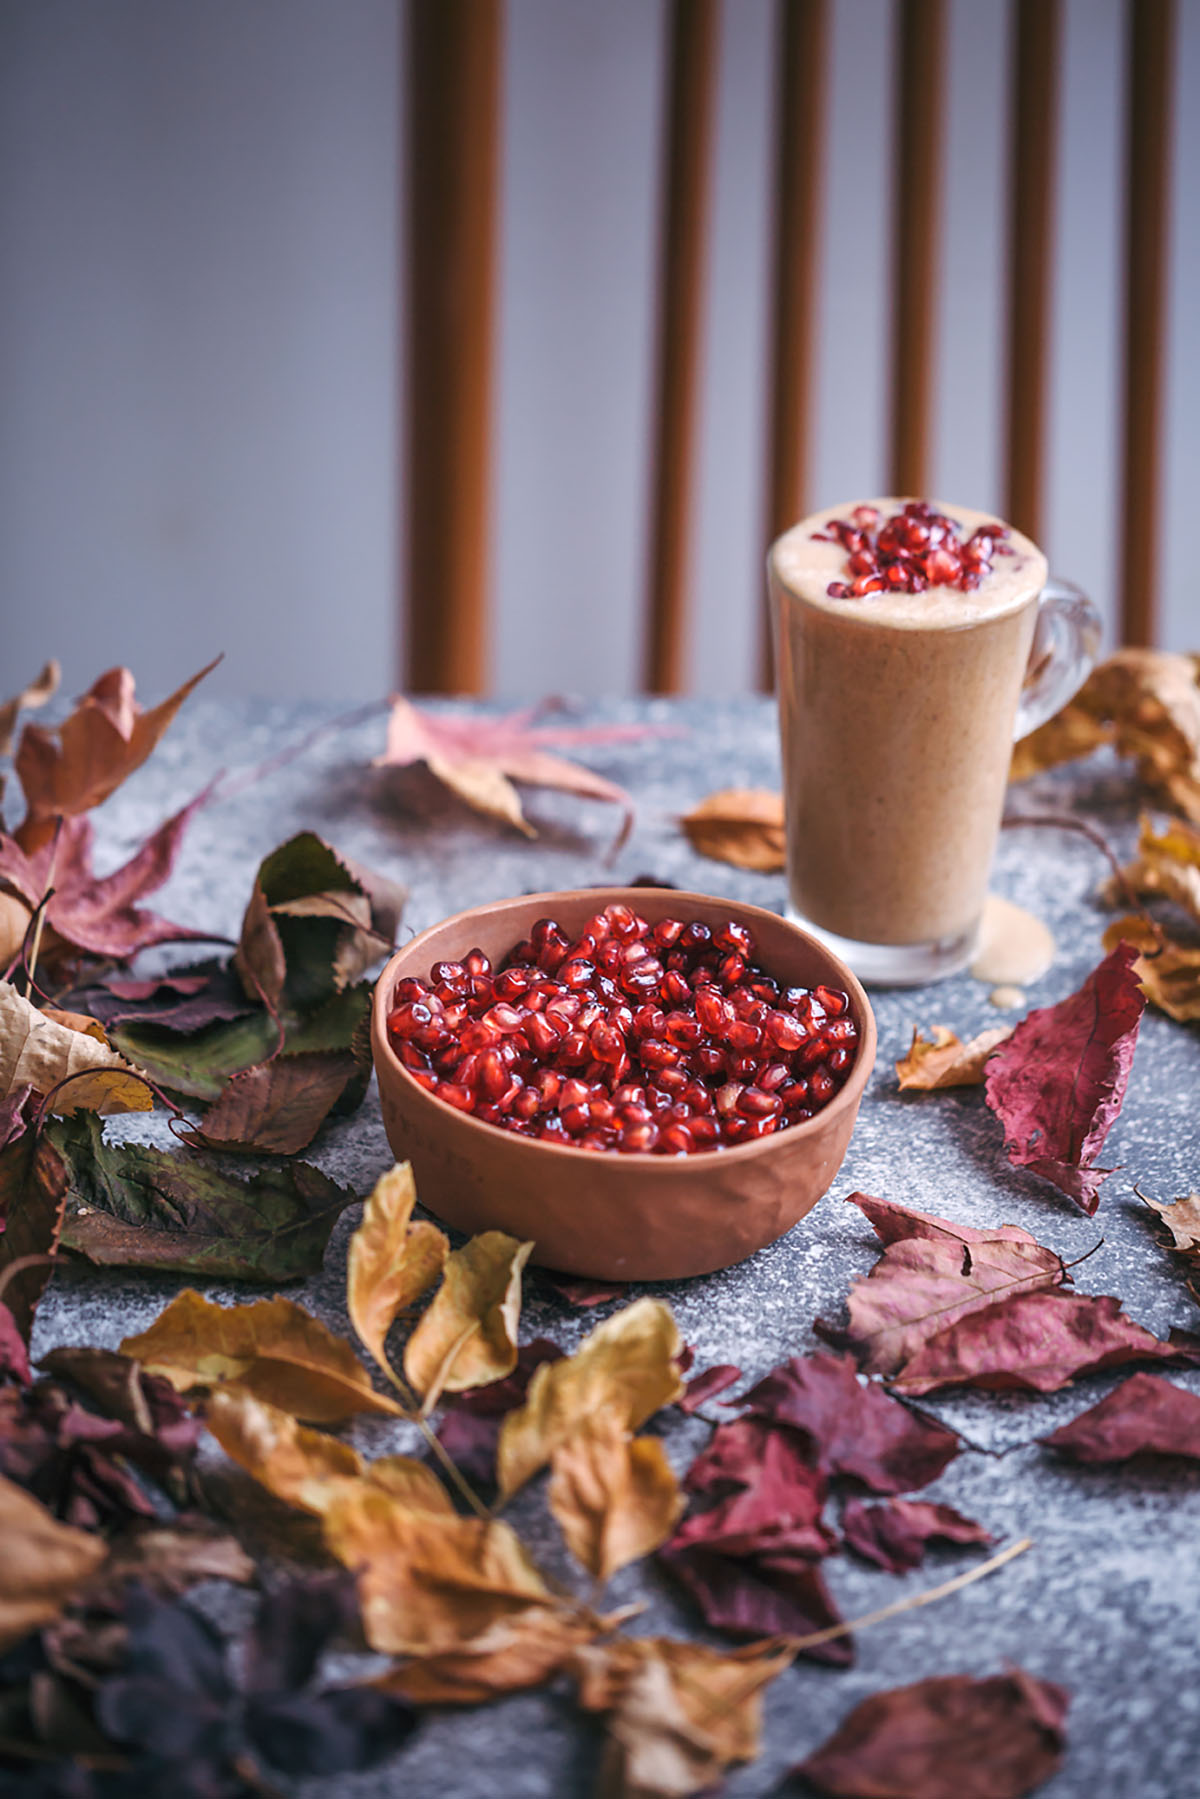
[[616, 1217]]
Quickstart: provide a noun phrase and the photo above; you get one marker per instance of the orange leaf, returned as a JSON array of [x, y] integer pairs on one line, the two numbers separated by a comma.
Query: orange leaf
[[468, 1336], [615, 1497], [519, 1652], [39, 1051], [391, 1260], [945, 1061], [740, 825], [42, 1562]]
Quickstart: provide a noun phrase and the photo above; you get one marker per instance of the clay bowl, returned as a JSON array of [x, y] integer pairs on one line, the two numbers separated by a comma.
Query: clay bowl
[[616, 1217]]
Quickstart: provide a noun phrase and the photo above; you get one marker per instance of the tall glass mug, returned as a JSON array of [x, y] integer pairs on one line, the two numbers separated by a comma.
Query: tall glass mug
[[913, 645]]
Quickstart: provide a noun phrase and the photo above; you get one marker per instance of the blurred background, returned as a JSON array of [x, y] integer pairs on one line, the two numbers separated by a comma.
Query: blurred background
[[203, 326]]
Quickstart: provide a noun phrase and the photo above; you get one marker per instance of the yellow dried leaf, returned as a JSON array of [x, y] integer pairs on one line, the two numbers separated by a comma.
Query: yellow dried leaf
[[943, 1060], [42, 1562], [615, 1497], [1182, 1219], [739, 825], [391, 1260], [429, 1583], [468, 1336], [1167, 865], [484, 788], [1070, 734], [272, 1348], [679, 1714], [520, 1652], [1169, 976], [38, 1051], [627, 1365], [77, 1021]]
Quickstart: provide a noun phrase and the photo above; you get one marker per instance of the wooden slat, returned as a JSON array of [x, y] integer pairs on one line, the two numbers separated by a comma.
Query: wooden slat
[[453, 126], [1033, 154], [919, 63], [1149, 97], [802, 63], [691, 76]]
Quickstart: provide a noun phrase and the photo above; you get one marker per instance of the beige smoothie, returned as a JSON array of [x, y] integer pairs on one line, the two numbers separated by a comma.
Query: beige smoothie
[[896, 715]]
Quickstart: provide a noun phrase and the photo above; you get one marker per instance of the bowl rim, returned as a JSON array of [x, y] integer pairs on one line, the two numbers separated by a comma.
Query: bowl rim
[[847, 1098]]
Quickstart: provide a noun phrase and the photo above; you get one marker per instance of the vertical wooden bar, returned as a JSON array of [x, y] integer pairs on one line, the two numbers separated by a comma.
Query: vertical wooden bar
[[1147, 198], [802, 63], [920, 58], [1032, 161], [453, 131], [691, 72]]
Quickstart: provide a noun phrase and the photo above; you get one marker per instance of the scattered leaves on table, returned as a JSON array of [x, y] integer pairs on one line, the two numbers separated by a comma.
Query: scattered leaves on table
[[1167, 972], [707, 1384], [137, 1206], [392, 1259], [1145, 1415], [740, 825], [944, 1060], [894, 1533], [1058, 1083], [524, 1651], [1166, 866], [38, 1052], [468, 1335], [42, 1562], [951, 1737], [181, 999]]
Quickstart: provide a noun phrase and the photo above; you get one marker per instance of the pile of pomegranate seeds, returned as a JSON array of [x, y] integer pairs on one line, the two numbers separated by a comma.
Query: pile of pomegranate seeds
[[916, 548], [665, 1038]]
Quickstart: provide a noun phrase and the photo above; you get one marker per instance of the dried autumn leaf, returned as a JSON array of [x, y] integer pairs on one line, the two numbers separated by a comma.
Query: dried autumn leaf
[[1167, 866], [276, 1108], [168, 1559], [525, 1651], [1145, 1415], [180, 999], [391, 1260], [706, 1385], [1182, 1219], [893, 1533], [471, 1422], [36, 694], [42, 1563], [739, 825], [1168, 972], [947, 1738], [430, 1583], [468, 1336], [615, 1497], [480, 758], [679, 1714], [628, 1364], [272, 1349], [33, 1190], [74, 766], [1034, 1343], [137, 1206], [1058, 1083], [37, 1052], [931, 1274], [944, 1060]]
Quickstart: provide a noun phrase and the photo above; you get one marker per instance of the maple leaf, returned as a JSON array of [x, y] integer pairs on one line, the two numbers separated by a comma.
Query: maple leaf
[[893, 1533], [141, 1207], [1167, 972], [70, 768], [932, 1273], [1182, 1219], [42, 1562], [40, 1053], [1146, 1415], [740, 825], [391, 1260], [480, 758], [272, 1348], [945, 1061], [614, 1496], [1058, 1083], [99, 915], [952, 1737], [468, 1335], [678, 1713]]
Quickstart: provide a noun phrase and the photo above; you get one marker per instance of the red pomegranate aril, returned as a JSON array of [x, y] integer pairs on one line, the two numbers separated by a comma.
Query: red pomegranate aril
[[741, 1068], [838, 1060], [682, 1030], [743, 1036], [754, 1103], [709, 1060], [476, 963], [695, 936], [655, 1054], [548, 1084], [841, 1031], [732, 969], [784, 1032], [667, 932], [629, 1093], [703, 1131], [608, 955], [607, 1043], [774, 1076], [863, 563], [672, 1080], [675, 988], [412, 1055], [726, 1097], [576, 972], [449, 974], [714, 1013], [461, 1098], [603, 1111], [633, 1113], [638, 1139], [696, 1097], [793, 1095], [527, 1103], [407, 1020], [649, 1021], [540, 1035], [675, 1140], [493, 1077], [832, 999], [575, 1119], [425, 1078], [821, 1086]]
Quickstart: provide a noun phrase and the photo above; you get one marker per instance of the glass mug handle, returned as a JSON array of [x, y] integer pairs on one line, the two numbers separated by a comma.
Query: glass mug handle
[[1066, 642]]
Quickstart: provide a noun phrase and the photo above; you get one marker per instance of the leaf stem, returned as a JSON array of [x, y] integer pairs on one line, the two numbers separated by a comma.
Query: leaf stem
[[1066, 821], [39, 918]]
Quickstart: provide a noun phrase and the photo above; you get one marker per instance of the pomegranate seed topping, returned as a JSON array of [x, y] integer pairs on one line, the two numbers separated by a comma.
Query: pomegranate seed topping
[[476, 963], [915, 549], [832, 1000], [785, 1032], [743, 1035]]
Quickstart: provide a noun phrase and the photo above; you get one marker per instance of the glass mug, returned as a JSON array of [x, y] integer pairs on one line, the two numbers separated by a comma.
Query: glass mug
[[897, 717]]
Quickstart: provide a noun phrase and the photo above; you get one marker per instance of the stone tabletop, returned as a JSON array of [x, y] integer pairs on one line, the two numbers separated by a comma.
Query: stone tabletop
[[1108, 1600]]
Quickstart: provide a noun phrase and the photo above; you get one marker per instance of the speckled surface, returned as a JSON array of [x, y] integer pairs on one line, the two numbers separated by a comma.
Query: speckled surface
[[1108, 1601]]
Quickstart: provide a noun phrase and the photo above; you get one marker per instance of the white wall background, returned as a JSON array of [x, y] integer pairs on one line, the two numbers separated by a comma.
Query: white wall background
[[199, 322]]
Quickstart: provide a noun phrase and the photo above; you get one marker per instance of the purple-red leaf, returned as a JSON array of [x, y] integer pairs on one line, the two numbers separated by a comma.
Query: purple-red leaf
[[1146, 1415], [1057, 1084], [948, 1738], [852, 1428], [761, 1596], [14, 1357], [470, 1428], [578, 1291], [707, 1385], [895, 1532], [183, 999]]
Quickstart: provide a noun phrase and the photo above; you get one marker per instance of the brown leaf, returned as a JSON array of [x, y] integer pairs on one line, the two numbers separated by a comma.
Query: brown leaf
[[273, 1349], [1057, 1085], [480, 758], [944, 1060], [1167, 866], [1146, 1415], [1168, 972], [42, 1562], [524, 1651], [628, 1364], [947, 1738], [739, 825], [33, 1192], [430, 1582], [391, 1260], [933, 1273], [276, 1108], [38, 1052], [74, 766], [468, 1336], [169, 1558], [614, 1496], [679, 1713], [1182, 1219], [36, 694]]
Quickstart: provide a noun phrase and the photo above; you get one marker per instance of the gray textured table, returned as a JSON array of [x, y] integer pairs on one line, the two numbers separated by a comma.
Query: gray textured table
[[1108, 1601]]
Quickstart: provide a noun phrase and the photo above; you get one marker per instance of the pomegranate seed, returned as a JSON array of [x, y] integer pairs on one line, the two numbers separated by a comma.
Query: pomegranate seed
[[710, 1060], [714, 1013], [540, 1035], [865, 517], [675, 1140], [461, 1098], [784, 1032], [832, 999], [656, 1055], [649, 1021], [527, 1103], [733, 967], [675, 989], [774, 1076], [683, 1031], [727, 1097], [704, 1131], [667, 932], [449, 974], [638, 1139], [607, 1043], [757, 1104], [794, 1095], [493, 1074], [837, 590], [743, 1036], [629, 1093], [838, 1060], [476, 963], [575, 1119], [425, 1078], [820, 1086], [674, 1080]]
